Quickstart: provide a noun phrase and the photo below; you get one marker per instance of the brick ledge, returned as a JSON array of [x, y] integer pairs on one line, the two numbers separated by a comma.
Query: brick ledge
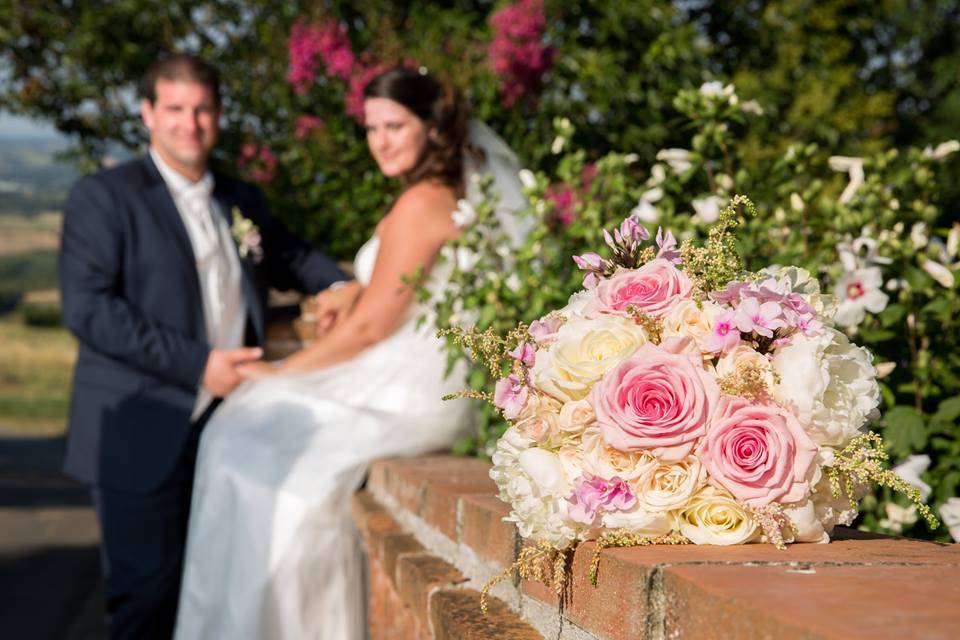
[[860, 585]]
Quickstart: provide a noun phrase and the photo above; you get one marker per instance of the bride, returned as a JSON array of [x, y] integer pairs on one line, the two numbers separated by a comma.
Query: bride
[[271, 550]]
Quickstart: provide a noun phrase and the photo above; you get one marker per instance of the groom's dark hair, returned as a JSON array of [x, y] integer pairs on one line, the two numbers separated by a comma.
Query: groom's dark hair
[[180, 66]]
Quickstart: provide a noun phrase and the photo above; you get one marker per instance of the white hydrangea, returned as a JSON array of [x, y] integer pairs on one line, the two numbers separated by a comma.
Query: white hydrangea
[[530, 484], [829, 383]]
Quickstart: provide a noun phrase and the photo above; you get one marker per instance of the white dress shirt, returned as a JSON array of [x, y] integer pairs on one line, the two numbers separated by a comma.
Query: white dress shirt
[[218, 264]]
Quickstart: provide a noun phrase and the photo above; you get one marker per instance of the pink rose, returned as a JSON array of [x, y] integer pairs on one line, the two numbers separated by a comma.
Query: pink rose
[[510, 396], [759, 453], [594, 495], [655, 400], [652, 289]]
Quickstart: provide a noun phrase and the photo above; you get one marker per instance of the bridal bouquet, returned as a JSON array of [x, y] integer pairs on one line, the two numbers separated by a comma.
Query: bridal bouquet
[[678, 399]]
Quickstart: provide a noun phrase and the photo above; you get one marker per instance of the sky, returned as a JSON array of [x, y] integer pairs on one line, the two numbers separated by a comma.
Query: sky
[[11, 126]]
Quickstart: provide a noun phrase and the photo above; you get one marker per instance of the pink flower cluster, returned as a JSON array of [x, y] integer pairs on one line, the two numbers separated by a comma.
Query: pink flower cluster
[[593, 496], [329, 42], [258, 162], [565, 198], [760, 310], [517, 53], [305, 124]]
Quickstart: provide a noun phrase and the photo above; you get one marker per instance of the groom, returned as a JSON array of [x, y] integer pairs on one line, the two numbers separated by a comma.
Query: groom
[[164, 307]]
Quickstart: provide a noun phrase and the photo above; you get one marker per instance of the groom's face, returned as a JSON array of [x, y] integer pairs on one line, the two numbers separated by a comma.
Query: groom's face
[[183, 123]]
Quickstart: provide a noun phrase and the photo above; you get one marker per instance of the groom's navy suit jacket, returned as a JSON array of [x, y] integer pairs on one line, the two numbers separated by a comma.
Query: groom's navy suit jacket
[[131, 295]]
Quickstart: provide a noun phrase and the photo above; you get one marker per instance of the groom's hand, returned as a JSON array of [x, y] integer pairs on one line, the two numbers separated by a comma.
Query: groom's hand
[[221, 376]]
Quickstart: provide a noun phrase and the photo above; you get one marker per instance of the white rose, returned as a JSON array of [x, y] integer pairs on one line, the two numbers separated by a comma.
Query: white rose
[[670, 486], [575, 416], [583, 351], [577, 303], [714, 517], [829, 383], [602, 460], [644, 523], [808, 526], [742, 356], [687, 319], [545, 470]]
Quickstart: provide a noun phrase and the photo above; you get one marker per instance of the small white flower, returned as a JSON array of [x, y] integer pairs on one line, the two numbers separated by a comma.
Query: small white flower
[[513, 282], [712, 89], [796, 201], [919, 237], [911, 469], [939, 273], [645, 212], [942, 150], [527, 179], [465, 215], [859, 291], [854, 167], [953, 240], [630, 158], [708, 209], [898, 517], [678, 159], [657, 175], [724, 181], [885, 368], [752, 107], [895, 204], [950, 513]]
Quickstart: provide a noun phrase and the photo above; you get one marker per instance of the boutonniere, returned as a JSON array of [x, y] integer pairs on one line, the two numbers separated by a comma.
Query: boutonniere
[[247, 236]]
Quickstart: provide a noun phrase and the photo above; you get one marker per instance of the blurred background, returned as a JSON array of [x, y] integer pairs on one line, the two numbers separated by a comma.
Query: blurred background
[[836, 117]]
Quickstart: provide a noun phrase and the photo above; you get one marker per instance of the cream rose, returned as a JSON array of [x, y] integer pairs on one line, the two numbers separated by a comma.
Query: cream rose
[[735, 362], [687, 319], [602, 460], [583, 351], [575, 416], [670, 486], [714, 517], [539, 420]]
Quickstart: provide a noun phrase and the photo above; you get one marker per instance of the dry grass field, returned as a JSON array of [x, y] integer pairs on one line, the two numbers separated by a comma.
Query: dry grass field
[[35, 368], [22, 234]]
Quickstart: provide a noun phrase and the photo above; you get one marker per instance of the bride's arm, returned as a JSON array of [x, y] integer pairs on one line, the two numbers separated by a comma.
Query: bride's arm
[[410, 239]]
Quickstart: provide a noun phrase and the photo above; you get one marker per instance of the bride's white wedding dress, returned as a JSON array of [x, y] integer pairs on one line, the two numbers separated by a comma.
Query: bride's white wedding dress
[[272, 552]]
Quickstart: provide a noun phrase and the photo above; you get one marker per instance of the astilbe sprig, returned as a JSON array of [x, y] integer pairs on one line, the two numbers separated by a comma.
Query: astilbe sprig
[[486, 347], [624, 538], [714, 265], [861, 462], [541, 563]]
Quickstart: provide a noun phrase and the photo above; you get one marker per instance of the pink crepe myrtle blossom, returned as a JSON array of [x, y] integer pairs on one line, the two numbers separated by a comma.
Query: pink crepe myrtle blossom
[[258, 162], [724, 336], [305, 124], [525, 353], [354, 98], [516, 52], [762, 319], [593, 495], [564, 201], [510, 396]]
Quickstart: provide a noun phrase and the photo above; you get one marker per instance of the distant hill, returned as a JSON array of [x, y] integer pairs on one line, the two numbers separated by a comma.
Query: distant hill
[[32, 178]]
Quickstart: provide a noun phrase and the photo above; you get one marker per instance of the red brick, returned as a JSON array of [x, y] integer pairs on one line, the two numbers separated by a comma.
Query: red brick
[[483, 530], [715, 601], [456, 615], [418, 576], [393, 547], [364, 506], [441, 500]]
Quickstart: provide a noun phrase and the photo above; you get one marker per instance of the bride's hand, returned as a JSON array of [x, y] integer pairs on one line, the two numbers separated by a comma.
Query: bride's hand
[[333, 305], [256, 370]]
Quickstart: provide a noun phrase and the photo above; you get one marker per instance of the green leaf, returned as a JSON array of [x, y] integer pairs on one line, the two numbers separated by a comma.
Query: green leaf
[[891, 315], [905, 431], [947, 412]]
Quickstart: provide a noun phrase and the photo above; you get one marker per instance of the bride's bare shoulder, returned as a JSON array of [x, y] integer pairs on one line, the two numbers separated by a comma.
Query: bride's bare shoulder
[[425, 207]]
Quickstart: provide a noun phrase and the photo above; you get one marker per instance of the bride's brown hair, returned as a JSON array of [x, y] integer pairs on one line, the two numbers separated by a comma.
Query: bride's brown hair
[[445, 115]]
